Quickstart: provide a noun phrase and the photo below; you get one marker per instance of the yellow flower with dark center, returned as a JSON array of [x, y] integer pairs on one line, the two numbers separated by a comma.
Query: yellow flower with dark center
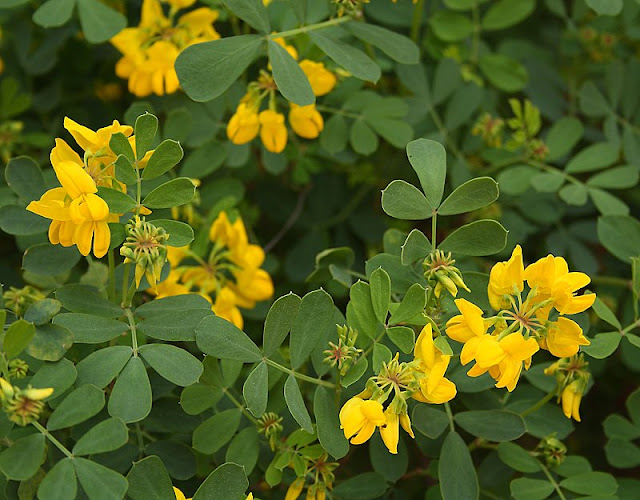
[[244, 125], [359, 419], [273, 131], [306, 121], [321, 79]]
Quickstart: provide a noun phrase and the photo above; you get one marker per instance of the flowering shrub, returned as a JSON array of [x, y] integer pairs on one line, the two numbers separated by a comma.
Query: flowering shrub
[[209, 298]]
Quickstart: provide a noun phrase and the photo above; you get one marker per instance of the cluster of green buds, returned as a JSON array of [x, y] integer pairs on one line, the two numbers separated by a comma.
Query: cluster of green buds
[[146, 247], [22, 406], [440, 272], [526, 124], [270, 424], [321, 470], [18, 300], [18, 368], [551, 450], [572, 377], [490, 129], [9, 136], [344, 353], [352, 8]]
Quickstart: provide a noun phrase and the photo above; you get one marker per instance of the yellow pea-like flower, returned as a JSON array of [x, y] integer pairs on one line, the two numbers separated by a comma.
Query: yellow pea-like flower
[[273, 131], [243, 125], [321, 79], [306, 121]]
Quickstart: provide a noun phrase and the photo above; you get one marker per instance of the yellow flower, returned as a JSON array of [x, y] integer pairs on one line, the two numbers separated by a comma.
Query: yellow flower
[[225, 306], [179, 495], [434, 387], [321, 79], [505, 278], [467, 325], [243, 125], [564, 338], [295, 489], [391, 432], [249, 496], [289, 48], [570, 398], [273, 132], [306, 121], [359, 419], [181, 4]]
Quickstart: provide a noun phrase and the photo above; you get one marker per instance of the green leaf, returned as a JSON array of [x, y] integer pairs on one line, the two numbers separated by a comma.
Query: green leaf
[[49, 260], [622, 454], [60, 482], [591, 483], [215, 432], [99, 22], [363, 140], [86, 299], [360, 313], [280, 318], [563, 136], [54, 13], [82, 404], [172, 363], [456, 472], [620, 235], [99, 482], [171, 194], [314, 318], [174, 326], [505, 13], [412, 304], [100, 367], [206, 70], [403, 337], [334, 136], [503, 71], [145, 130], [380, 286], [516, 180], [42, 311], [289, 77], [402, 200], [14, 219], [23, 458], [524, 488], [517, 458], [607, 204], [493, 425], [217, 337], [204, 160], [24, 176], [594, 157], [472, 195], [199, 397], [381, 354], [50, 342], [606, 7], [90, 329], [131, 396], [296, 405], [429, 421], [329, 434], [616, 426], [164, 158], [121, 146], [108, 435], [174, 304], [355, 373], [244, 449], [604, 313], [367, 486], [124, 171], [574, 194], [429, 160], [603, 345], [256, 390], [483, 237], [252, 12], [416, 247], [59, 376], [450, 26], [623, 177], [398, 47], [228, 481], [17, 337], [149, 480], [180, 234], [353, 60]]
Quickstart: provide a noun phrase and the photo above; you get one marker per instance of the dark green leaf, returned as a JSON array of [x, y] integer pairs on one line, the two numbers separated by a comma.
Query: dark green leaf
[[530, 489], [457, 475], [504, 72], [380, 286], [131, 396], [215, 432], [60, 482], [99, 22], [398, 47], [99, 482], [365, 486], [493, 425], [172, 363], [506, 13], [50, 342], [145, 130], [517, 458], [173, 326], [620, 235], [295, 402], [149, 480], [121, 146], [353, 60], [80, 405], [85, 299], [472, 195], [24, 177], [429, 160], [217, 337], [90, 329], [289, 77], [329, 434], [252, 12], [402, 200], [280, 318], [256, 390], [483, 237], [108, 435], [49, 260], [23, 458], [54, 13], [314, 318], [227, 482], [164, 158], [103, 365], [171, 194]]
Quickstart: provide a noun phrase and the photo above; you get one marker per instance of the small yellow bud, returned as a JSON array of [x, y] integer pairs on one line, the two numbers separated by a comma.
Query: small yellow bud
[[295, 489], [273, 131], [306, 121], [243, 125]]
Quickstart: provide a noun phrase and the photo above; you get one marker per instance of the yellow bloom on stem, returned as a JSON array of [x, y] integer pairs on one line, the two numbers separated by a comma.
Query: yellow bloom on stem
[[359, 419], [289, 48], [468, 324], [564, 338], [244, 125], [295, 489], [273, 131], [390, 433], [226, 307], [306, 121], [321, 79], [434, 387], [505, 278], [570, 398]]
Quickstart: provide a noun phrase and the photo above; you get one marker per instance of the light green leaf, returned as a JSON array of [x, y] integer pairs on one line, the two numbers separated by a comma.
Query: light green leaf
[[131, 396], [280, 318], [380, 286], [23, 458], [591, 483], [398, 47], [353, 60], [505, 13], [171, 194], [99, 22], [60, 482], [24, 176], [416, 247], [80, 405], [402, 200], [563, 136], [403, 337], [42, 311], [472, 195], [108, 435], [504, 72], [450, 26], [17, 337], [100, 367], [429, 160], [603, 345], [217, 337], [54, 13], [412, 304], [256, 390], [164, 158], [620, 235], [517, 458], [180, 234], [252, 12], [606, 7], [296, 405], [50, 342], [525, 488], [90, 329], [329, 434], [216, 431], [145, 130], [594, 157], [493, 425], [483, 237], [172, 363], [314, 318], [289, 77], [121, 146], [355, 373], [605, 314]]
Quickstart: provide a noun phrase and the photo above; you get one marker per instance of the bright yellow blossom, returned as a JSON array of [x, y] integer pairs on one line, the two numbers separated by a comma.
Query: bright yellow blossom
[[570, 398], [179, 495], [359, 419], [506, 277], [295, 489], [434, 387], [306, 121], [243, 125], [321, 79], [273, 131], [468, 324], [564, 338]]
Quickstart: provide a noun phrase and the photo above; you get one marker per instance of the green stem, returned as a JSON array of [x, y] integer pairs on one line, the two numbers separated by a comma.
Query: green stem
[[551, 479], [416, 20], [434, 224], [633, 325], [311, 27], [140, 441], [539, 404], [378, 339], [337, 111], [112, 277], [125, 282], [447, 408], [301, 376], [134, 332], [240, 406], [57, 443], [611, 280]]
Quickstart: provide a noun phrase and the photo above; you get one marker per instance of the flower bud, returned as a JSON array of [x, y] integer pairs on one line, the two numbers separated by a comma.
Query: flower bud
[[146, 247], [295, 489], [22, 406], [552, 451], [244, 125], [18, 368], [273, 131], [321, 79], [306, 121]]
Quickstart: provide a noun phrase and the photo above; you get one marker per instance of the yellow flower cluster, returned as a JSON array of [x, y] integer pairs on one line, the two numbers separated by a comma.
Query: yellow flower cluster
[[149, 51], [521, 328], [230, 278], [78, 215], [306, 121], [423, 379]]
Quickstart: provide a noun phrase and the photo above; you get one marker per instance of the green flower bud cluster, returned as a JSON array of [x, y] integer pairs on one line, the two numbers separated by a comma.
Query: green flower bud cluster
[[440, 272], [146, 247], [344, 353]]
